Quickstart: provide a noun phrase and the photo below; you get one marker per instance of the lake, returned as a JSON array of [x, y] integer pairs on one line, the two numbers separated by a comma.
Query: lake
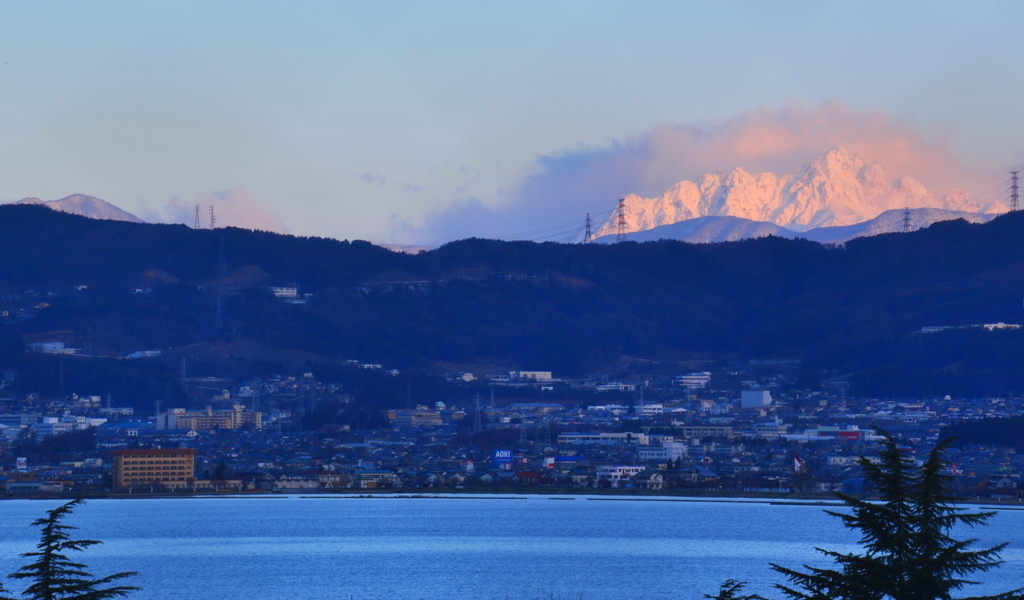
[[456, 548]]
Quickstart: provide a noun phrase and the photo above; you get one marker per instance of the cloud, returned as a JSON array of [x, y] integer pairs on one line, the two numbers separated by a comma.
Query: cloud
[[232, 208], [778, 140]]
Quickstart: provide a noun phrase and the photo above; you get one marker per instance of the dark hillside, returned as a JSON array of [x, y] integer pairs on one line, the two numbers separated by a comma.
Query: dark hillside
[[572, 309]]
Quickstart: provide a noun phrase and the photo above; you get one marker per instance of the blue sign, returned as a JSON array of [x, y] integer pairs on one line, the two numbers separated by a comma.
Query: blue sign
[[502, 457]]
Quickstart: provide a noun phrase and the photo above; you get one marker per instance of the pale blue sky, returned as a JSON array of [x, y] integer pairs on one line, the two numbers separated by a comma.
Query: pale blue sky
[[369, 120]]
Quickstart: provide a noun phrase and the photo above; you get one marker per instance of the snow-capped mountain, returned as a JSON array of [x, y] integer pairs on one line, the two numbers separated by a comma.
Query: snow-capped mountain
[[704, 230], [86, 206], [837, 189]]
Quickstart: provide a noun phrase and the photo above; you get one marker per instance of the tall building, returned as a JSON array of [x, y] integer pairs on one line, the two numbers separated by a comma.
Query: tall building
[[235, 418], [173, 468]]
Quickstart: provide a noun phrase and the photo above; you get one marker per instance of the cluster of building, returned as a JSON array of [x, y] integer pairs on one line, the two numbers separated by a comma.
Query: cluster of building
[[687, 434]]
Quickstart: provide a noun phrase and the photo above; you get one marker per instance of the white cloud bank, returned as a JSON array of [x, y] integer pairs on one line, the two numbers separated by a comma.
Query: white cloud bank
[[232, 208], [778, 140]]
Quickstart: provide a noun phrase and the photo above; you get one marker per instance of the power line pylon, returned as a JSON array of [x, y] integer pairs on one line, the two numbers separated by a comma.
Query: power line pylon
[[587, 233], [477, 421], [213, 218], [196, 226], [906, 220], [620, 227], [223, 264], [1014, 191]]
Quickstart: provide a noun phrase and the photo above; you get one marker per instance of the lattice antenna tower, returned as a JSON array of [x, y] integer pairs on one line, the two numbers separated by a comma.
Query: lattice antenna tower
[[1014, 191], [587, 233], [547, 432], [223, 263], [522, 432], [213, 218], [184, 379], [906, 220], [620, 224], [477, 421], [196, 226], [156, 406], [311, 406]]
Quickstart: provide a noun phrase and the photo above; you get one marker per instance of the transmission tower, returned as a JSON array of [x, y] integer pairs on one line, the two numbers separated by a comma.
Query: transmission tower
[[184, 379], [61, 391], [223, 263], [620, 228], [522, 433], [587, 233], [477, 421], [492, 397], [196, 226], [1014, 191], [311, 401], [213, 218], [906, 220]]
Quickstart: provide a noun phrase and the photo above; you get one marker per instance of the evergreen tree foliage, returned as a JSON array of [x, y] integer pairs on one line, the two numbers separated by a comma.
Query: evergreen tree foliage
[[908, 551], [732, 590], [56, 577], [4, 592]]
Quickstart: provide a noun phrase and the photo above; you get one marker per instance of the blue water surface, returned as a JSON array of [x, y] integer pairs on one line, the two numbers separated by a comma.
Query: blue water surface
[[461, 548]]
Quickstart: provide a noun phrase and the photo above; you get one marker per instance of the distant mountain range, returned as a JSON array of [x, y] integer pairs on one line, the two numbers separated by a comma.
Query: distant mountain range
[[704, 230], [86, 206], [836, 190]]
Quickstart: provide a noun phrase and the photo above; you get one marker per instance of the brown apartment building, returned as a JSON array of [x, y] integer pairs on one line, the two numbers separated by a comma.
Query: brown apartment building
[[172, 468]]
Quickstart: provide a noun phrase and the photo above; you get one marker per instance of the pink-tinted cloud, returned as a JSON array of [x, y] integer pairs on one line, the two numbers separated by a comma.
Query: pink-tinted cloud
[[233, 208], [777, 140]]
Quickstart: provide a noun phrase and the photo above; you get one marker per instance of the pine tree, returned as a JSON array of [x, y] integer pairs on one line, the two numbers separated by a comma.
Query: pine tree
[[54, 575], [908, 552], [732, 590], [4, 592]]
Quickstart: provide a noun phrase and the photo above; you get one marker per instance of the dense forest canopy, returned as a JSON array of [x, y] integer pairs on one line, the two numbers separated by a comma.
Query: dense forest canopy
[[572, 309]]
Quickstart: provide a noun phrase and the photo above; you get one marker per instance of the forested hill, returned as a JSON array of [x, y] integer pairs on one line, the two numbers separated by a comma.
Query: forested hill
[[571, 309]]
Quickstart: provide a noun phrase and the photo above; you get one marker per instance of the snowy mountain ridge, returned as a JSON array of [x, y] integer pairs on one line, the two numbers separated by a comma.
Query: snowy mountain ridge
[[837, 189], [86, 206], [705, 230]]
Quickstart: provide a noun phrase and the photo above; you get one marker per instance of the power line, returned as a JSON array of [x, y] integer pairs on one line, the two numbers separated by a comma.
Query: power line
[[1014, 191], [620, 225]]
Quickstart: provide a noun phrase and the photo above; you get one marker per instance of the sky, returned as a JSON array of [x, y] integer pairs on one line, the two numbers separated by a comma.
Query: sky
[[423, 122]]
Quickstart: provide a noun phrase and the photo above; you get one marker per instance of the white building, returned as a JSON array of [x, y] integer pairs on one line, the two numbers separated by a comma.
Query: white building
[[605, 439], [755, 398], [616, 475], [666, 451], [531, 375], [694, 380], [285, 292]]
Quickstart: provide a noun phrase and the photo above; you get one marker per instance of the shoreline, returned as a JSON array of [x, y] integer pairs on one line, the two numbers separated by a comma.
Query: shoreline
[[782, 499]]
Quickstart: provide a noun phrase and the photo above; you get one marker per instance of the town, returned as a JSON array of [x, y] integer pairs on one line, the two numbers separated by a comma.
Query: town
[[718, 433]]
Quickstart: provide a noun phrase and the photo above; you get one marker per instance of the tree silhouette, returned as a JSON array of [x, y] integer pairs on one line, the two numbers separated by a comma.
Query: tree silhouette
[[908, 552], [54, 575]]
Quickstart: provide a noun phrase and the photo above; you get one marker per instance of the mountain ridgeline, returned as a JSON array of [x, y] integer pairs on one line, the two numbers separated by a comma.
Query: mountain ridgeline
[[576, 310]]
